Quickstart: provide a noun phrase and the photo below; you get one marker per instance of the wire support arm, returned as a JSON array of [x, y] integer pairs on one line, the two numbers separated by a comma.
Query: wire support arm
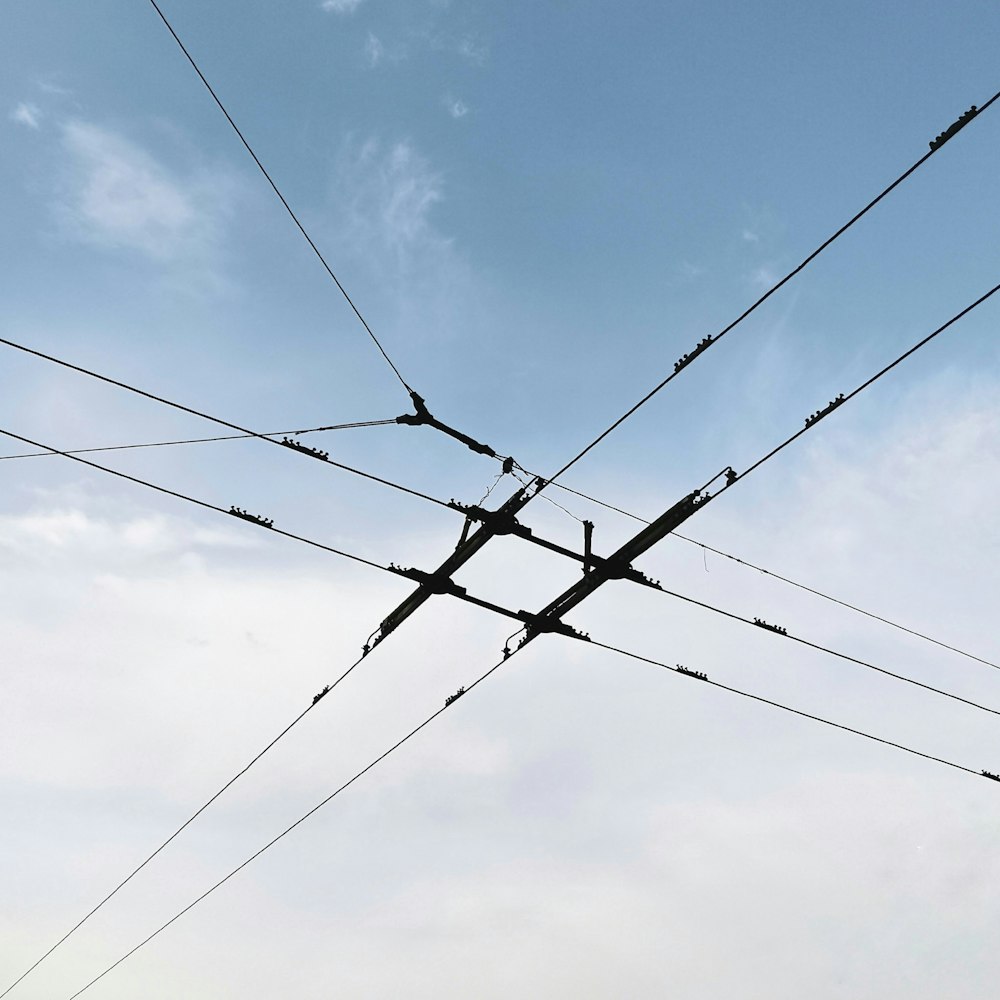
[[422, 417]]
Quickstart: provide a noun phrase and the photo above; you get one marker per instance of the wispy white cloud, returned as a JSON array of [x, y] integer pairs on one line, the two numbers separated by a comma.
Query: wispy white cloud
[[393, 191], [341, 6], [750, 237], [456, 108], [374, 50], [117, 195], [27, 114], [472, 51], [763, 276]]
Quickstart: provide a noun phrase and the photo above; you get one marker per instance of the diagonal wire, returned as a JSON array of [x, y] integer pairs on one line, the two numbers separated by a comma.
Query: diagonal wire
[[204, 440], [739, 319], [865, 385], [281, 197], [832, 652], [426, 722], [196, 501], [794, 711], [207, 416]]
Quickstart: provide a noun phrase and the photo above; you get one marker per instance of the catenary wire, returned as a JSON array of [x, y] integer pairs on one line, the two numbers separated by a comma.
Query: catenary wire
[[763, 298], [284, 833], [207, 416], [196, 501], [794, 711], [204, 440], [864, 385], [426, 722], [135, 871], [281, 197], [783, 579], [831, 652], [649, 396]]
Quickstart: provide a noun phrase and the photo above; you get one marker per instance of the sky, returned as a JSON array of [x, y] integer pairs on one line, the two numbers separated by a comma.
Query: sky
[[538, 208]]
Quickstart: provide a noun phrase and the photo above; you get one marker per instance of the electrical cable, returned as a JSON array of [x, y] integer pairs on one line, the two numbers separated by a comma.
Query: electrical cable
[[826, 649], [778, 576], [426, 722], [711, 341], [813, 421], [239, 774], [200, 503], [207, 416], [281, 197], [787, 708], [224, 437]]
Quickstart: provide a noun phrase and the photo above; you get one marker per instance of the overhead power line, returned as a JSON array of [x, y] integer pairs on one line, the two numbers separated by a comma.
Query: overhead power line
[[711, 341], [787, 708], [812, 421], [281, 197], [758, 623], [536, 624], [448, 703], [203, 440], [837, 600], [782, 579], [205, 805], [263, 522], [244, 431]]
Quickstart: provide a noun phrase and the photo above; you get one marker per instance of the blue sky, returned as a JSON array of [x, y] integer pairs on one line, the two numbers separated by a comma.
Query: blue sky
[[538, 208]]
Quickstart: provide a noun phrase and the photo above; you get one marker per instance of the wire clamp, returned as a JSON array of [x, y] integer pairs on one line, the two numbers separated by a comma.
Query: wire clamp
[[830, 407], [454, 697], [264, 522], [954, 128], [322, 694], [323, 456], [760, 623], [990, 775], [686, 359], [691, 673]]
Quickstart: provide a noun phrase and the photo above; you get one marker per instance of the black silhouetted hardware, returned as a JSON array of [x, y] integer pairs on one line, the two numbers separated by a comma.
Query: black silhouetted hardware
[[323, 456], [691, 673], [686, 359], [423, 416], [264, 522], [508, 465], [954, 128], [771, 628], [991, 775], [588, 536], [616, 567], [454, 697], [322, 694], [731, 476], [832, 405]]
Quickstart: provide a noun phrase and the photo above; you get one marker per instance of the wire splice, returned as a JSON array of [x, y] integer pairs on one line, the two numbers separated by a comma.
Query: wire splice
[[264, 522], [760, 623], [323, 456], [691, 673], [685, 359], [454, 697], [829, 408], [954, 128], [991, 775], [318, 697]]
